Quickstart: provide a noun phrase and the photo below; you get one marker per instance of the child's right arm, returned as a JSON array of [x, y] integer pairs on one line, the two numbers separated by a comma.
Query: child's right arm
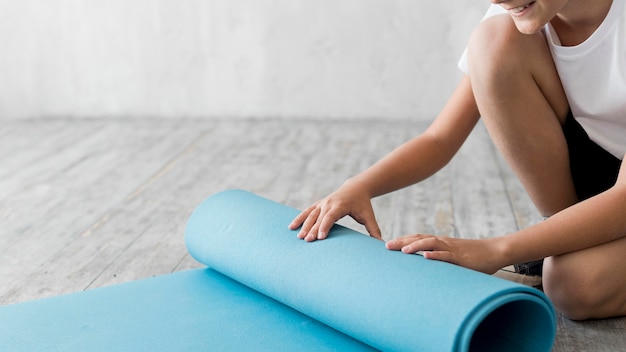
[[408, 164]]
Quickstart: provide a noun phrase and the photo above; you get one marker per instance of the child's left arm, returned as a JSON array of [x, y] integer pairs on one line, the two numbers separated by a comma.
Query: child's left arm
[[587, 224]]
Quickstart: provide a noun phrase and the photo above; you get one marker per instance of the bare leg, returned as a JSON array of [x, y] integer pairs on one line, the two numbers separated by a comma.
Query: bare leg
[[523, 106], [590, 283]]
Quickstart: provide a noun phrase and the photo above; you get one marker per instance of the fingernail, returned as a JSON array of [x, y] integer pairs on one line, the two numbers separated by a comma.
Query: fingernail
[[321, 235]]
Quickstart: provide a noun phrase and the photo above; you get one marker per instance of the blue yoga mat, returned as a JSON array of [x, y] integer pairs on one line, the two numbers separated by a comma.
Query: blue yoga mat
[[264, 289]]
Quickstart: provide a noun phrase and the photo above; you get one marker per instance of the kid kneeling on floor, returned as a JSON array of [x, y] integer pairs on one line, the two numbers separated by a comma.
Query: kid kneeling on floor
[[548, 77]]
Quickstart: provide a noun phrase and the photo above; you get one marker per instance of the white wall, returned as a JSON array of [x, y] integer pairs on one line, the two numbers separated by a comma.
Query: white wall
[[231, 58]]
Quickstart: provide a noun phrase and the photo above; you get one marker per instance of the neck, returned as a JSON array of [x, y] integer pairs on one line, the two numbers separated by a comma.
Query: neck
[[578, 19]]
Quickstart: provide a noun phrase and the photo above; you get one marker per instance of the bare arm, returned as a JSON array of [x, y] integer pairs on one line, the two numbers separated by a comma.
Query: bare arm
[[592, 222], [595, 221], [427, 153], [408, 164]]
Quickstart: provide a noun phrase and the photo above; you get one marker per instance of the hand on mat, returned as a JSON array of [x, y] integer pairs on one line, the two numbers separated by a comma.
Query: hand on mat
[[481, 255], [316, 220]]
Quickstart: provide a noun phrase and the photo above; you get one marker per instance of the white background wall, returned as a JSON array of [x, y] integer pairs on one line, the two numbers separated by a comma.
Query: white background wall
[[231, 58]]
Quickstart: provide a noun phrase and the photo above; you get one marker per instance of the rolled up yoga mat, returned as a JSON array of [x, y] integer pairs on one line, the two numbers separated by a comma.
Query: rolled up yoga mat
[[265, 289]]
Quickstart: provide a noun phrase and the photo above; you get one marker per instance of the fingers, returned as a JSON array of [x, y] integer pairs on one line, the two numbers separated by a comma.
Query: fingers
[[327, 222], [303, 220], [417, 243], [299, 220], [430, 247], [315, 223], [309, 230], [426, 243], [397, 244], [371, 225], [374, 230], [443, 256]]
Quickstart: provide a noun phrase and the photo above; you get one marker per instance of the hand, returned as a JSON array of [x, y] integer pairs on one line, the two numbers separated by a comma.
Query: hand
[[482, 255], [316, 220]]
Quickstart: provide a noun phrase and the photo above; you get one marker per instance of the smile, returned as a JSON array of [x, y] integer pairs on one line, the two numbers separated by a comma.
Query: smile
[[518, 10]]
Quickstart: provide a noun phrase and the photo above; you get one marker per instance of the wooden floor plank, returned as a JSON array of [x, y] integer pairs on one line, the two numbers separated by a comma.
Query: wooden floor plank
[[524, 211], [607, 335], [94, 203], [66, 204], [481, 205]]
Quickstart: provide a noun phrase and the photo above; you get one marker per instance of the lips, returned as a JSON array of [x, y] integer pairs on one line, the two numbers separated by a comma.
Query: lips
[[520, 9]]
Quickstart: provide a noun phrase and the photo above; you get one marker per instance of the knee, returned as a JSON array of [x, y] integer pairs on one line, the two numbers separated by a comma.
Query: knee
[[497, 48], [575, 291]]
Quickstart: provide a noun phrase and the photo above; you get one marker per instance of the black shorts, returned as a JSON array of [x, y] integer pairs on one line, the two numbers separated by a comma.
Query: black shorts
[[594, 170]]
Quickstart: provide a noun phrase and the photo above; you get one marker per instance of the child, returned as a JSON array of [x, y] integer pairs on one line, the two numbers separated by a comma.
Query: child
[[548, 77]]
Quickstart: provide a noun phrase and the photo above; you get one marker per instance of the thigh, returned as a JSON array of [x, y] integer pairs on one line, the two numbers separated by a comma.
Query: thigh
[[523, 105], [504, 63]]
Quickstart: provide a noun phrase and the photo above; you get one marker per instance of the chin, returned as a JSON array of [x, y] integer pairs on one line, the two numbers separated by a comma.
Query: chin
[[528, 28]]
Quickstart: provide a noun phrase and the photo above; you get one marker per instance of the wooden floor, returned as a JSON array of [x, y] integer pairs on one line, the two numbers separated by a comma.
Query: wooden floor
[[90, 203]]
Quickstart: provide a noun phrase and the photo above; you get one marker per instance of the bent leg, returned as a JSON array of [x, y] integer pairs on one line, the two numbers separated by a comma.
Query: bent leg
[[523, 106], [590, 283]]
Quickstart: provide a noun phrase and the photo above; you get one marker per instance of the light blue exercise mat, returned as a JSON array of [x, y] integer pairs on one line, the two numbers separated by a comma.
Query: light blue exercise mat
[[266, 290]]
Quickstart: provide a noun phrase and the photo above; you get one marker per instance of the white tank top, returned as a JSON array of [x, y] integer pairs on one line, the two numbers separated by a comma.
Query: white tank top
[[593, 75]]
